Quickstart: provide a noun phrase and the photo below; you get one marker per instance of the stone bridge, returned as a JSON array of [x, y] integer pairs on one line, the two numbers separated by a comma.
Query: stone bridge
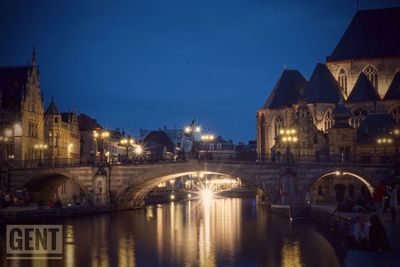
[[127, 185]]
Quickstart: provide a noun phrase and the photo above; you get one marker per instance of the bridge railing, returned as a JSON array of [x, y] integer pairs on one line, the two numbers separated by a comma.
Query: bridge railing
[[304, 159], [43, 163], [263, 159], [54, 163]]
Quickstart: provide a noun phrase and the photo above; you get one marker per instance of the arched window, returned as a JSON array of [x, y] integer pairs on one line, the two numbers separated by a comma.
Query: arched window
[[342, 79], [372, 75], [278, 124], [396, 115], [358, 116], [328, 121]]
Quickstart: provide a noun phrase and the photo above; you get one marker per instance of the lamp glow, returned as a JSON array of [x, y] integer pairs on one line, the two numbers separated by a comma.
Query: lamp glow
[[206, 195]]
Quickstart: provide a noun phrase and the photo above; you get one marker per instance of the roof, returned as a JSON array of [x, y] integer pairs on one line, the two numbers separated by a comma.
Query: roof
[[158, 140], [394, 89], [341, 111], [86, 123], [13, 82], [287, 89], [371, 34], [363, 91], [322, 87], [375, 125], [52, 109], [341, 114]]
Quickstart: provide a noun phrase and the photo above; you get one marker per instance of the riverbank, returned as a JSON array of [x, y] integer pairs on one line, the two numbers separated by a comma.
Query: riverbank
[[340, 222], [34, 214]]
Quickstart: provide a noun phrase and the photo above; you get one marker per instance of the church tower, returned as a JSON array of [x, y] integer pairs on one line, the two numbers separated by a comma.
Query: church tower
[[53, 130]]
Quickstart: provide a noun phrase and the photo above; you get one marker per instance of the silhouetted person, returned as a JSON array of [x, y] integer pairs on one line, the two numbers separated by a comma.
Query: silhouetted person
[[377, 234], [392, 193], [379, 192]]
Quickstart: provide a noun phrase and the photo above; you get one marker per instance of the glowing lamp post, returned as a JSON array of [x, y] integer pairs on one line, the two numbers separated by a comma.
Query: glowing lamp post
[[127, 143], [191, 130], [40, 148], [288, 136], [384, 141], [102, 136], [206, 138]]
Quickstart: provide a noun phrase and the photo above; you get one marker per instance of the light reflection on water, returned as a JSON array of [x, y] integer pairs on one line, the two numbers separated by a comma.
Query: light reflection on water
[[222, 232]]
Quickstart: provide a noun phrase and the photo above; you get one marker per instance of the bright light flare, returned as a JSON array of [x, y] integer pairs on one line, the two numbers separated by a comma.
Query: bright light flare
[[138, 150], [206, 195]]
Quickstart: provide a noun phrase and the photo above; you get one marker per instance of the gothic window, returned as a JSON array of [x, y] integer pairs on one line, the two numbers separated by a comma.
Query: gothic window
[[372, 75], [342, 78], [278, 124], [328, 121], [396, 115], [358, 116]]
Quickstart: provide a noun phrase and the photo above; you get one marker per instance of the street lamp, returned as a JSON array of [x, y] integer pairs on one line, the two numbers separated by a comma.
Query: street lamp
[[138, 150], [102, 136], [288, 137], [384, 141], [127, 142], [191, 130], [206, 138], [40, 148]]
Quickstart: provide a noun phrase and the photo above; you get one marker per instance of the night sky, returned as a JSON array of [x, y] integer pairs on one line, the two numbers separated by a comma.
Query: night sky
[[146, 64]]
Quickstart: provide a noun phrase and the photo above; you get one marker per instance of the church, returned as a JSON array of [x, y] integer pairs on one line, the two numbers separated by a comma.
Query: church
[[350, 106]]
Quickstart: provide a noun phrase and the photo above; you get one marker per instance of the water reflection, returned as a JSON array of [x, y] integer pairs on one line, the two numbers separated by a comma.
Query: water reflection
[[222, 232], [291, 256]]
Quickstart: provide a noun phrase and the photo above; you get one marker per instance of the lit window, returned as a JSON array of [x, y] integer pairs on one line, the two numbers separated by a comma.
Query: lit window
[[396, 115], [372, 75], [342, 78], [358, 116], [278, 124], [328, 121]]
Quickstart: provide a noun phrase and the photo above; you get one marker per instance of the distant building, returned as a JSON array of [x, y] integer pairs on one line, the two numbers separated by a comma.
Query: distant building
[[91, 147], [176, 135], [114, 151], [61, 134], [21, 112], [247, 151], [219, 148], [158, 146], [88, 145]]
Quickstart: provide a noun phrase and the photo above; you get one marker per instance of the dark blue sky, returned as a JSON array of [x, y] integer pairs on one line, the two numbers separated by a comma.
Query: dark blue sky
[[149, 63]]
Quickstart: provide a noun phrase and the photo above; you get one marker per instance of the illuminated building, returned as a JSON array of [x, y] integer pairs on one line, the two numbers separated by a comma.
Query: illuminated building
[[363, 72]]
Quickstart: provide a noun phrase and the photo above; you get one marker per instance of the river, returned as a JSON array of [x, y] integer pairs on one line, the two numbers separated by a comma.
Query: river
[[220, 232]]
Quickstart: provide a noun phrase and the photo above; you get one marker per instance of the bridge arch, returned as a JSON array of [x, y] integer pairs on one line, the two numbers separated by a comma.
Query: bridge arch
[[50, 184], [323, 186], [132, 196]]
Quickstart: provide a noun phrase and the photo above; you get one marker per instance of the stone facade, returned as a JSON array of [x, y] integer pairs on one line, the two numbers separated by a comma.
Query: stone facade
[[62, 134], [22, 111], [325, 89], [385, 68]]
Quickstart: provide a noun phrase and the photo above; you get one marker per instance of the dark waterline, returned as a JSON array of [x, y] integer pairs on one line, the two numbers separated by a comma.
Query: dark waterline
[[223, 232]]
